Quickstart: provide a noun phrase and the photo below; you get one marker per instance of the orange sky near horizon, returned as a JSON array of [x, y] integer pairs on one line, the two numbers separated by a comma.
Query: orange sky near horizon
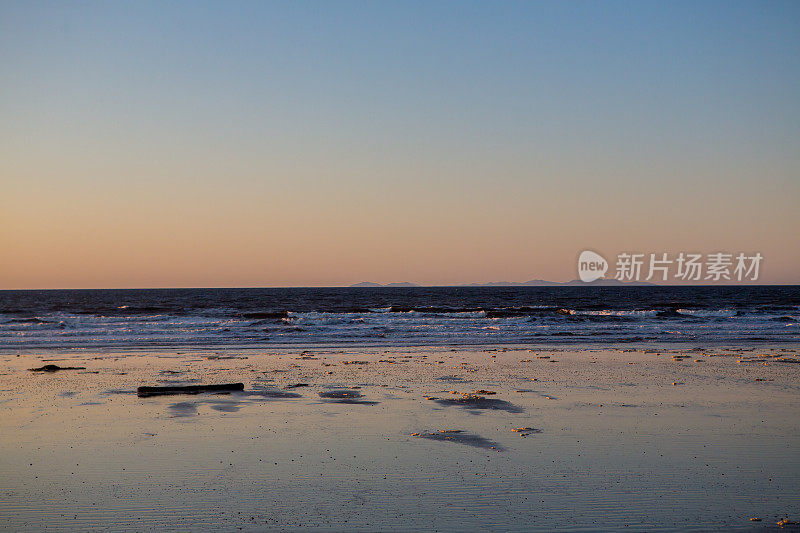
[[280, 145]]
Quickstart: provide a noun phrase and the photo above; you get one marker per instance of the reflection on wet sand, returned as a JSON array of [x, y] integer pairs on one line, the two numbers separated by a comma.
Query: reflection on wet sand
[[182, 409], [459, 437]]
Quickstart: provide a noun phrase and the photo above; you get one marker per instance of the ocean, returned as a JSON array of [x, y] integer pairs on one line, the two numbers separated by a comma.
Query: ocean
[[407, 316]]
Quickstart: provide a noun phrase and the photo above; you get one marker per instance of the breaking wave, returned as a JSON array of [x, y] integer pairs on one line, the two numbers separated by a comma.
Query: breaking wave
[[408, 316]]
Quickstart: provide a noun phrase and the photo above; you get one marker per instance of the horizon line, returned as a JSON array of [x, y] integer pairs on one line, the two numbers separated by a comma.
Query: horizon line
[[414, 286]]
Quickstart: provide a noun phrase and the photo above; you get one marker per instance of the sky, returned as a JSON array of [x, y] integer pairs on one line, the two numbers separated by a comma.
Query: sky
[[217, 144]]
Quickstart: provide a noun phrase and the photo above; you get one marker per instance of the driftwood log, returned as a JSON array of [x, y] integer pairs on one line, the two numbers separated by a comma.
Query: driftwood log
[[188, 389]]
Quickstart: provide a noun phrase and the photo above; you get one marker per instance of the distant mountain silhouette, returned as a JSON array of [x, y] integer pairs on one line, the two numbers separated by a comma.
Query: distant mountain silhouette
[[611, 282], [531, 283], [605, 282], [575, 282], [372, 284]]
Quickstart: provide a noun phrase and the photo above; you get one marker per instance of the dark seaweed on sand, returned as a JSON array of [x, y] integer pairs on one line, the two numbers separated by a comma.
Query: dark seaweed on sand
[[340, 394], [453, 379], [56, 368], [345, 396], [474, 401]]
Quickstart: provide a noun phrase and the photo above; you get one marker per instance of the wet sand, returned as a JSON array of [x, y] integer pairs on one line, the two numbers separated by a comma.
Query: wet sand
[[405, 439]]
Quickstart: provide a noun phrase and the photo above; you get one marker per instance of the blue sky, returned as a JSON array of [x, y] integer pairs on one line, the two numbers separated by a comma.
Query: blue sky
[[358, 130]]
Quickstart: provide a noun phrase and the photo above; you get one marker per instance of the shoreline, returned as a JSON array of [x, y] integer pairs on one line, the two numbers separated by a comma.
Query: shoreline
[[688, 346]]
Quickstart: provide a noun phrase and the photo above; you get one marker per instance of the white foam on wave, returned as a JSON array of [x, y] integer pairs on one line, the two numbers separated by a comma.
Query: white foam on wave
[[387, 328], [610, 312], [726, 313]]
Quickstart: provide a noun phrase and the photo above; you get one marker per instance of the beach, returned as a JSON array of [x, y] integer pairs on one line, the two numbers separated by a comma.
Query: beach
[[400, 266], [512, 438]]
